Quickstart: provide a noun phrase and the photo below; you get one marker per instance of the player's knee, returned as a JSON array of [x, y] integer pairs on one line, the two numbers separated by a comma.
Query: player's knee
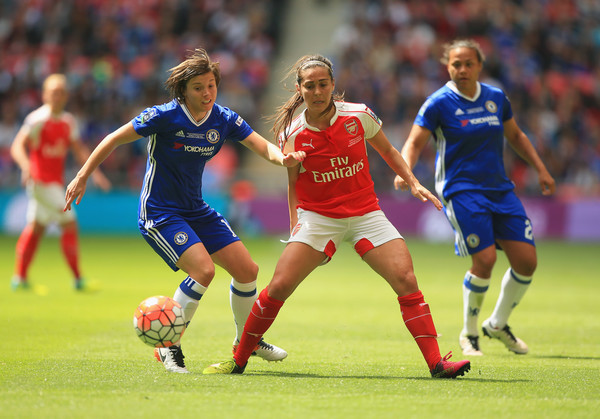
[[247, 273], [280, 288], [483, 264], [526, 267], [203, 274]]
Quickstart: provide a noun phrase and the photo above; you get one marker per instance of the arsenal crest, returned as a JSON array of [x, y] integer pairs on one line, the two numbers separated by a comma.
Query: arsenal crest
[[351, 127]]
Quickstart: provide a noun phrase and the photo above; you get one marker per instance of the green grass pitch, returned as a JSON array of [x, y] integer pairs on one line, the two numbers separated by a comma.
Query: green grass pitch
[[75, 355]]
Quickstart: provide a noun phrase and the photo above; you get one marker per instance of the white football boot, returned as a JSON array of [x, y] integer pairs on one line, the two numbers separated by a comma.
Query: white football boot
[[172, 359], [265, 351], [505, 336]]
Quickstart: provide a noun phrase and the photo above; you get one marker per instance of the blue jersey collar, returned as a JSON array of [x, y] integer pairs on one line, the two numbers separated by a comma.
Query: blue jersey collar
[[452, 86]]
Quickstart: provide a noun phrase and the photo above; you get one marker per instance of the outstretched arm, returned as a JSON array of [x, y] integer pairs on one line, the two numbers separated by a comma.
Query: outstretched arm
[[270, 152], [521, 144], [395, 160], [76, 188], [417, 138]]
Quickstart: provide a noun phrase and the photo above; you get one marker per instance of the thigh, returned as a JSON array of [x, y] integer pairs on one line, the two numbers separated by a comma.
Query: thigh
[[472, 221], [521, 255], [296, 262], [197, 263], [236, 260], [393, 262]]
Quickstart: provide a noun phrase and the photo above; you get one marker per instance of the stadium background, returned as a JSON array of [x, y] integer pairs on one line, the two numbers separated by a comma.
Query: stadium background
[[116, 53]]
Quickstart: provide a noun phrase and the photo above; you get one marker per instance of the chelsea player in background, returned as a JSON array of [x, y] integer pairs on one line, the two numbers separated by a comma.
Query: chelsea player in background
[[173, 218], [469, 121]]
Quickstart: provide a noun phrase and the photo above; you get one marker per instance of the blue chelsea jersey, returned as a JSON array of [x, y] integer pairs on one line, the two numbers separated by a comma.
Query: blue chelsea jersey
[[469, 137], [178, 149]]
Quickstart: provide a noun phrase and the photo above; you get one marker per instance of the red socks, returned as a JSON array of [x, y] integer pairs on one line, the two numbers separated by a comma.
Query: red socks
[[415, 312], [261, 317], [26, 247], [70, 248], [418, 320]]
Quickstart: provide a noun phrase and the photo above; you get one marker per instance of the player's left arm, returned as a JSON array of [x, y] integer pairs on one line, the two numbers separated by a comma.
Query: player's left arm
[[271, 152], [519, 141], [81, 153], [394, 159]]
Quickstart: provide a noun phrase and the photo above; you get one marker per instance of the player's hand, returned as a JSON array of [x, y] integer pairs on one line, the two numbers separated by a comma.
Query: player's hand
[[400, 183], [547, 183], [75, 192], [422, 193], [294, 158]]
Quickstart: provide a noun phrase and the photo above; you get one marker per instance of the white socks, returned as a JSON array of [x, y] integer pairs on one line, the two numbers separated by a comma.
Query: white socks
[[241, 298], [514, 286], [188, 294], [474, 289]]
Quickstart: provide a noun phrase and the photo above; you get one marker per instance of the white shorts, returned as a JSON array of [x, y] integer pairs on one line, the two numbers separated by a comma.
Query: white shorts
[[46, 203], [325, 233]]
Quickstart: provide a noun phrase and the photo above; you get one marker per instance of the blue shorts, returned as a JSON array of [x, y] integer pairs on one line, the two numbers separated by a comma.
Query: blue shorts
[[171, 234], [479, 219]]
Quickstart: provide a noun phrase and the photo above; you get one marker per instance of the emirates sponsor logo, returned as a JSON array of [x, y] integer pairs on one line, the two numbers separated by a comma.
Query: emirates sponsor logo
[[340, 169]]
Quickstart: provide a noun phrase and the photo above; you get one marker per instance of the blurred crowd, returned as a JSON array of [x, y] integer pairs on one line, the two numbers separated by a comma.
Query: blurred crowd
[[116, 53], [544, 53]]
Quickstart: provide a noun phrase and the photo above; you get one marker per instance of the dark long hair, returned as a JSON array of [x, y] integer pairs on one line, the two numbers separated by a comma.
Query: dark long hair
[[196, 64]]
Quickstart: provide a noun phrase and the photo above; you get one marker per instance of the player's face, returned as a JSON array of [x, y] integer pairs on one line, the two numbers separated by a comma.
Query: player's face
[[464, 69], [316, 88], [200, 94], [55, 95]]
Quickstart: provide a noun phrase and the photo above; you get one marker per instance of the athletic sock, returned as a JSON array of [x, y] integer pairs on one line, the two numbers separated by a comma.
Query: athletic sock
[[514, 286], [474, 289], [419, 322], [263, 314], [25, 251], [70, 248], [241, 298], [188, 294]]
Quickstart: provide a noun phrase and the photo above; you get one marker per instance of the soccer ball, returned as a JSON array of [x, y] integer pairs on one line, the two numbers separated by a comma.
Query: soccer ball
[[158, 321]]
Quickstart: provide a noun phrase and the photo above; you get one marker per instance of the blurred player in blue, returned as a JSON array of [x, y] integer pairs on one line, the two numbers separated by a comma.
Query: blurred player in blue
[[469, 121], [185, 231]]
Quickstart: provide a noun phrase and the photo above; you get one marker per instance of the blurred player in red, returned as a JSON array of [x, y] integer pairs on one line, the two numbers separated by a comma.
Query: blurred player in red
[[40, 149], [332, 200]]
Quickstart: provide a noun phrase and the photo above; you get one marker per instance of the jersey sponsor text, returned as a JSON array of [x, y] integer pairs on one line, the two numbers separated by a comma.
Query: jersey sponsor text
[[341, 169]]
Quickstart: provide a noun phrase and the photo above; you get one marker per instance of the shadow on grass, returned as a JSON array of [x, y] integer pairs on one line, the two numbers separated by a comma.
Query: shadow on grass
[[585, 358], [470, 377]]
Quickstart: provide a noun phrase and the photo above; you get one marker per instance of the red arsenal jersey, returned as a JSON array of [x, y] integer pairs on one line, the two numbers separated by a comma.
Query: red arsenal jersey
[[50, 138], [334, 178]]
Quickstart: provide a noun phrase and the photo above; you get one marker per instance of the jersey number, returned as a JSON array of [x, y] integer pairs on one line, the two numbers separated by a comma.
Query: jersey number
[[528, 230]]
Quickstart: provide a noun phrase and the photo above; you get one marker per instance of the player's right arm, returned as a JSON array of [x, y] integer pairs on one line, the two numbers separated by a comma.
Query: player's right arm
[[76, 189], [417, 138], [18, 152]]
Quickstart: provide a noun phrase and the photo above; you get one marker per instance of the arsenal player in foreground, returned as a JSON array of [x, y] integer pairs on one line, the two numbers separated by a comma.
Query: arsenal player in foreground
[[332, 200]]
